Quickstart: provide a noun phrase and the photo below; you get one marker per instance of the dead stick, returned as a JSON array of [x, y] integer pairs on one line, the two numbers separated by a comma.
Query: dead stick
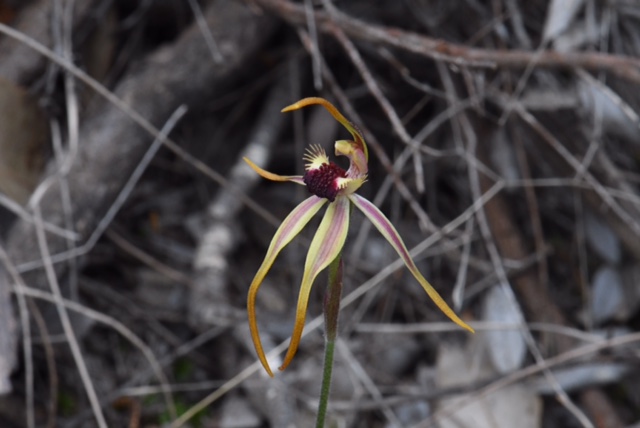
[[625, 67]]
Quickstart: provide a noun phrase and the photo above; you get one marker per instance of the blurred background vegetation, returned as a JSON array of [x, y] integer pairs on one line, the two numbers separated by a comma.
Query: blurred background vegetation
[[504, 146]]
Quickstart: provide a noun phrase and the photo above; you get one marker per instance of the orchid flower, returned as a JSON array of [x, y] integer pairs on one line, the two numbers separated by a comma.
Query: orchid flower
[[332, 186]]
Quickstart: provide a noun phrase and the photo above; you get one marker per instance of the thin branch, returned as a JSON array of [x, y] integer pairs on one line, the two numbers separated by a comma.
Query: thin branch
[[66, 323], [113, 323], [565, 357], [26, 341], [625, 67], [217, 56]]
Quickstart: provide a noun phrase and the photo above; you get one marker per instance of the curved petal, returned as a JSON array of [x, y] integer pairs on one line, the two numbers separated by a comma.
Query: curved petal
[[290, 227], [385, 227], [358, 167], [353, 130], [325, 247], [274, 177]]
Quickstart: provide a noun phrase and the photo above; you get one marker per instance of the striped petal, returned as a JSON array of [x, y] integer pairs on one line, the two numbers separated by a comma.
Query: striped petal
[[389, 232], [274, 177], [325, 247], [290, 227]]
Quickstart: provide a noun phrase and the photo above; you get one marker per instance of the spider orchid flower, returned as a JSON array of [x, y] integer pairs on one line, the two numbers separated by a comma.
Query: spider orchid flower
[[332, 186]]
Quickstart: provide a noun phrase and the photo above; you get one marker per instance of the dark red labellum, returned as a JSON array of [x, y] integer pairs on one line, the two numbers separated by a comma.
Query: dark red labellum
[[322, 181]]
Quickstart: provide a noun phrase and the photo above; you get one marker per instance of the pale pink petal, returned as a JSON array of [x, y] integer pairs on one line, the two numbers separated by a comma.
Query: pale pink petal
[[290, 227], [385, 227], [325, 247]]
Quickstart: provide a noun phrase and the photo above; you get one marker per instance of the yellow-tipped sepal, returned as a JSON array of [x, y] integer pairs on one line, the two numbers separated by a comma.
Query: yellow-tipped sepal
[[353, 130], [385, 227], [290, 227], [325, 247]]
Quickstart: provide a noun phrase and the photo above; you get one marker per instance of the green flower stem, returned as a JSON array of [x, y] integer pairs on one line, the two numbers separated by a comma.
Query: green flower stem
[[331, 310], [332, 299]]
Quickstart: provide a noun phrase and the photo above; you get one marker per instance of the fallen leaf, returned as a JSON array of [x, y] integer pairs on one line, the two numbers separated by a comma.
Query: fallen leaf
[[512, 406], [559, 17], [607, 295], [506, 348], [602, 239]]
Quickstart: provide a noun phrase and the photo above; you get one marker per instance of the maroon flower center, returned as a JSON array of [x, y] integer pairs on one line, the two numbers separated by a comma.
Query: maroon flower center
[[322, 181]]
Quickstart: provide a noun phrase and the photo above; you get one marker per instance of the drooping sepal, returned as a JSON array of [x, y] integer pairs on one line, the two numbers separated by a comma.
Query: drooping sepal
[[386, 228], [290, 227], [325, 247]]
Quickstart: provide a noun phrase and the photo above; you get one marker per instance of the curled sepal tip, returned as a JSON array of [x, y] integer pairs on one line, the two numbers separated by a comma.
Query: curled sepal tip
[[325, 247], [274, 177], [353, 130], [290, 227], [385, 227]]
